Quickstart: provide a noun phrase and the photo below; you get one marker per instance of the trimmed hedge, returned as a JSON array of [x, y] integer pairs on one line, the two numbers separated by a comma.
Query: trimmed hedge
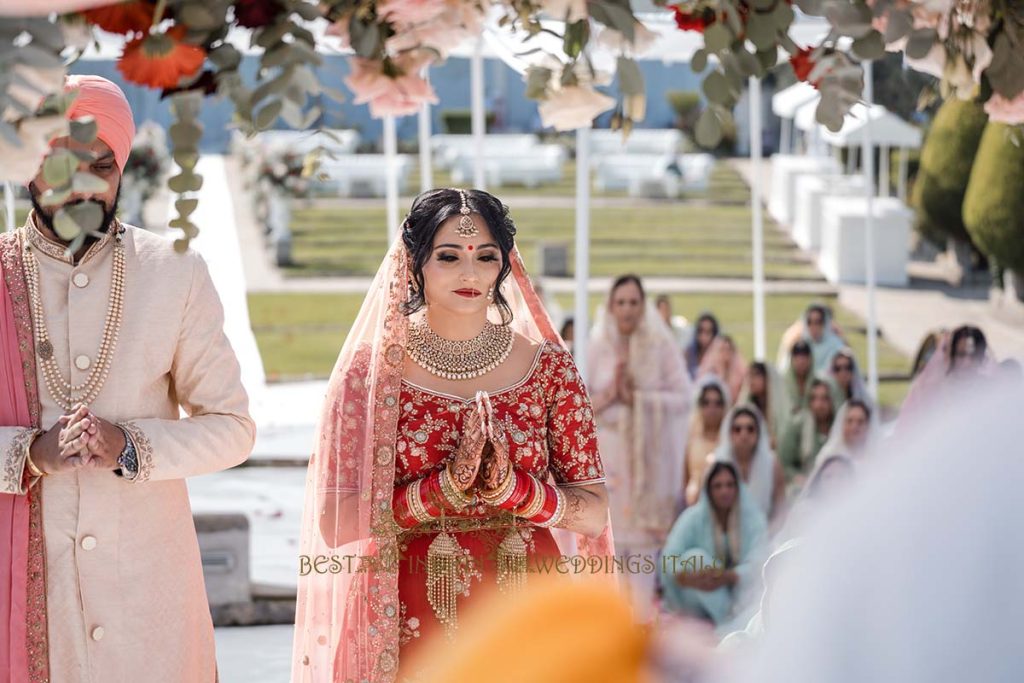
[[993, 209], [945, 168]]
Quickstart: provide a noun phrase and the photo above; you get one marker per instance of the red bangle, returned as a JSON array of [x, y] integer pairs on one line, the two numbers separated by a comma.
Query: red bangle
[[550, 505], [521, 491]]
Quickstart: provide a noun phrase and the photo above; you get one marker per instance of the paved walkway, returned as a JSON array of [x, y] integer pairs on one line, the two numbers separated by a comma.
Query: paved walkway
[[906, 315]]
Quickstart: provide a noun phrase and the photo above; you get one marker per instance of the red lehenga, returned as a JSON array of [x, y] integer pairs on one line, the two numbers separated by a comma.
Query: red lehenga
[[362, 604]]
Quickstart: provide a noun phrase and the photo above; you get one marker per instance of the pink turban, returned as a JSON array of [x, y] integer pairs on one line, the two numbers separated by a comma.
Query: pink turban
[[106, 103]]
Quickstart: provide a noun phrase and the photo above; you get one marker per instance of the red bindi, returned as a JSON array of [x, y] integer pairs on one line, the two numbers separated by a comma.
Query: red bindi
[[469, 247]]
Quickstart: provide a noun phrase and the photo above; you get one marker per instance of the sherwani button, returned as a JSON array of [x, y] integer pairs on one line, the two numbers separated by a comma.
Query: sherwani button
[[88, 542], [81, 280], [83, 362], [97, 633]]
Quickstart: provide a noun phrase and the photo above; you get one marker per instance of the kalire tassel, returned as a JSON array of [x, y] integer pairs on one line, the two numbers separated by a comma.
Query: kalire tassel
[[512, 563], [445, 580]]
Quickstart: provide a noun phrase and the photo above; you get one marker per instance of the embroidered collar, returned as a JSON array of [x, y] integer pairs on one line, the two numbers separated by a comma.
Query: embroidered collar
[[58, 251]]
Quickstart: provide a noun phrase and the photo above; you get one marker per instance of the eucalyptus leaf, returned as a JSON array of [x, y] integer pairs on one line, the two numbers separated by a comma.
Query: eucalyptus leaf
[[181, 245], [920, 42], [750, 64], [83, 129], [292, 114], [365, 38], [186, 158], [198, 16], [900, 22], [870, 46], [763, 4], [708, 130], [225, 56], [88, 183], [268, 114], [814, 8], [307, 11], [184, 207], [614, 16], [272, 35], [86, 217], [761, 31], [631, 81], [279, 56], [699, 61], [184, 135], [537, 80], [716, 88], [1006, 73], [186, 181], [767, 58], [717, 37], [59, 166], [576, 36], [36, 57], [783, 16], [55, 197]]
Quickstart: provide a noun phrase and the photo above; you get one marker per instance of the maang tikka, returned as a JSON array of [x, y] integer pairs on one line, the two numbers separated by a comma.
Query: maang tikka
[[467, 228]]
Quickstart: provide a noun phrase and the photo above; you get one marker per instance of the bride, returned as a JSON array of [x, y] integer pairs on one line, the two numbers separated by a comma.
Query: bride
[[455, 435]]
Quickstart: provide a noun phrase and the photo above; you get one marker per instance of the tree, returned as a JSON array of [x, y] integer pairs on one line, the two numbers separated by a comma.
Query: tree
[[946, 161], [993, 209]]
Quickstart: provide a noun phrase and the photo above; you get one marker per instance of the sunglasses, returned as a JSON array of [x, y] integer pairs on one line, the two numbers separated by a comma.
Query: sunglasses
[[842, 367], [816, 322], [712, 402], [739, 429]]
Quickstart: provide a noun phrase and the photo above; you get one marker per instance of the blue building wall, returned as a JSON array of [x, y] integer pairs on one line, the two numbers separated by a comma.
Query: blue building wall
[[504, 93]]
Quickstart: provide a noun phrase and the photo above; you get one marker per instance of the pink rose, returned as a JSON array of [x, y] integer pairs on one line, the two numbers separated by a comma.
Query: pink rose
[[446, 31], [1002, 110], [573, 107], [398, 92], [406, 13]]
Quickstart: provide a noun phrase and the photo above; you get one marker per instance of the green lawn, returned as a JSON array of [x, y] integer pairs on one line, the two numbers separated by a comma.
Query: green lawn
[[299, 335], [689, 238]]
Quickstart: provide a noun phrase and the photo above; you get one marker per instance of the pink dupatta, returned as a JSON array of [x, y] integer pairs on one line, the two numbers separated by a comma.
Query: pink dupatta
[[24, 654]]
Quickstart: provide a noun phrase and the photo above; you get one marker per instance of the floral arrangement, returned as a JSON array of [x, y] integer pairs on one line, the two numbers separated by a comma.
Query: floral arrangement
[[975, 46], [285, 171]]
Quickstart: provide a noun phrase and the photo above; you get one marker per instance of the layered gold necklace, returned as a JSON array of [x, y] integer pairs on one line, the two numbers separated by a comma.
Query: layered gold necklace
[[64, 393], [459, 359]]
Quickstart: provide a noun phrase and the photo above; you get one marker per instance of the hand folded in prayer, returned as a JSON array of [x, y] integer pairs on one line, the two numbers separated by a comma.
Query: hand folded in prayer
[[495, 464], [96, 442], [466, 464]]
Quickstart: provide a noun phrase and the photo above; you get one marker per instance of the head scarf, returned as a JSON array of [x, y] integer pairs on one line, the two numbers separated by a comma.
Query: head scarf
[[776, 410], [837, 444], [731, 371], [762, 470], [692, 353], [857, 388], [105, 102], [830, 343]]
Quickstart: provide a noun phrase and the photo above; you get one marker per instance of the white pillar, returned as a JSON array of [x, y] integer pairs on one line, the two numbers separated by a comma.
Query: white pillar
[[479, 122], [391, 175], [883, 171], [757, 213], [426, 162], [869, 240], [901, 179], [9, 206], [581, 316]]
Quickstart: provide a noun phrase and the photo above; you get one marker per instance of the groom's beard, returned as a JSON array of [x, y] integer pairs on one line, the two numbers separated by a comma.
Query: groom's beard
[[46, 214]]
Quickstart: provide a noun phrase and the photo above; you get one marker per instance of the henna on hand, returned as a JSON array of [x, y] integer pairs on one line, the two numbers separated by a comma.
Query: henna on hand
[[466, 464]]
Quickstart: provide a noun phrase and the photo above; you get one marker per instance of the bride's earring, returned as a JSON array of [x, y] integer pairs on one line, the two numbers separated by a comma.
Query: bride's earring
[[490, 294]]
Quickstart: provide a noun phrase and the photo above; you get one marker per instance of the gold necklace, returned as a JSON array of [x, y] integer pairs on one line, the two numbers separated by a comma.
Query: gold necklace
[[459, 359], [65, 394]]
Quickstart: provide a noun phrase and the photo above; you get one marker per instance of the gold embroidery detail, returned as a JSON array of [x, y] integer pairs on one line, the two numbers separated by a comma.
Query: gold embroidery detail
[[144, 449]]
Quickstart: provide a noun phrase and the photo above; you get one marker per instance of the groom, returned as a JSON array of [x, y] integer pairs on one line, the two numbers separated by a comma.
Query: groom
[[100, 572]]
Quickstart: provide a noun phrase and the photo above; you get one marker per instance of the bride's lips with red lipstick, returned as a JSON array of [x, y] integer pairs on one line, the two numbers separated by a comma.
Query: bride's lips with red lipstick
[[468, 293]]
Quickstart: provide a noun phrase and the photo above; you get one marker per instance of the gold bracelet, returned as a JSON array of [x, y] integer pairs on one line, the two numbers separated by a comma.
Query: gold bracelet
[[504, 491], [32, 468], [540, 496], [456, 498], [559, 510]]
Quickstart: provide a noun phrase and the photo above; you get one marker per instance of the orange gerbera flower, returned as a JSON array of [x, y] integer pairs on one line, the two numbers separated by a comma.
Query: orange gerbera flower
[[161, 60], [135, 16]]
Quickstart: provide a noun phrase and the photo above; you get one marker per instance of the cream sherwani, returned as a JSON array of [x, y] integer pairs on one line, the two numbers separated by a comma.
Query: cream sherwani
[[125, 593]]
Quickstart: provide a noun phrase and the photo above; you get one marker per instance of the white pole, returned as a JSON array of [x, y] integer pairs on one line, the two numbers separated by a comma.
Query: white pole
[[391, 175], [760, 345], [883, 172], [901, 179], [869, 238], [479, 123], [426, 162], [9, 205], [581, 317]]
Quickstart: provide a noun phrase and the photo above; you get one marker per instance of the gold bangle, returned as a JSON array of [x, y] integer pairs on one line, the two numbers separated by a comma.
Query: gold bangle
[[413, 500], [32, 468], [504, 491], [456, 498], [540, 496]]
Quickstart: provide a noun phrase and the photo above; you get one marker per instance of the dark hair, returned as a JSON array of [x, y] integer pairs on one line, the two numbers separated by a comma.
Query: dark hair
[[717, 467], [759, 366], [710, 387], [663, 298], [708, 317], [857, 403], [429, 211], [800, 347], [818, 308], [818, 382], [566, 324], [967, 332], [626, 279], [749, 412]]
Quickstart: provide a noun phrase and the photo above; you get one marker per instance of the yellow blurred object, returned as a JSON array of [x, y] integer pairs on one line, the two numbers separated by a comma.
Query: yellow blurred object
[[556, 631]]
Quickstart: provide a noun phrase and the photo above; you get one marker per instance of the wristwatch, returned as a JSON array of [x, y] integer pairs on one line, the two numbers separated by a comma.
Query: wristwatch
[[129, 458]]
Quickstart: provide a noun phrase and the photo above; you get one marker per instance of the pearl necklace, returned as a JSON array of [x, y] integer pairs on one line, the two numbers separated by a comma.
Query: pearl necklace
[[65, 394], [458, 360]]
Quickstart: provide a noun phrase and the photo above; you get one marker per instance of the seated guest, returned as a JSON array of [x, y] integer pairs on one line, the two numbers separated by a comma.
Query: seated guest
[[744, 443], [724, 360], [763, 388], [705, 331], [712, 399], [712, 554], [807, 433], [845, 378], [798, 377]]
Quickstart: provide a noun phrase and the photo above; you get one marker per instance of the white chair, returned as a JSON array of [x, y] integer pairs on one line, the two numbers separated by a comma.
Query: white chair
[[659, 141], [696, 170], [447, 149], [363, 175], [539, 165], [639, 174]]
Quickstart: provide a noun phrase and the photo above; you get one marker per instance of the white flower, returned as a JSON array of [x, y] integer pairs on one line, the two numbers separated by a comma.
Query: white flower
[[573, 107]]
